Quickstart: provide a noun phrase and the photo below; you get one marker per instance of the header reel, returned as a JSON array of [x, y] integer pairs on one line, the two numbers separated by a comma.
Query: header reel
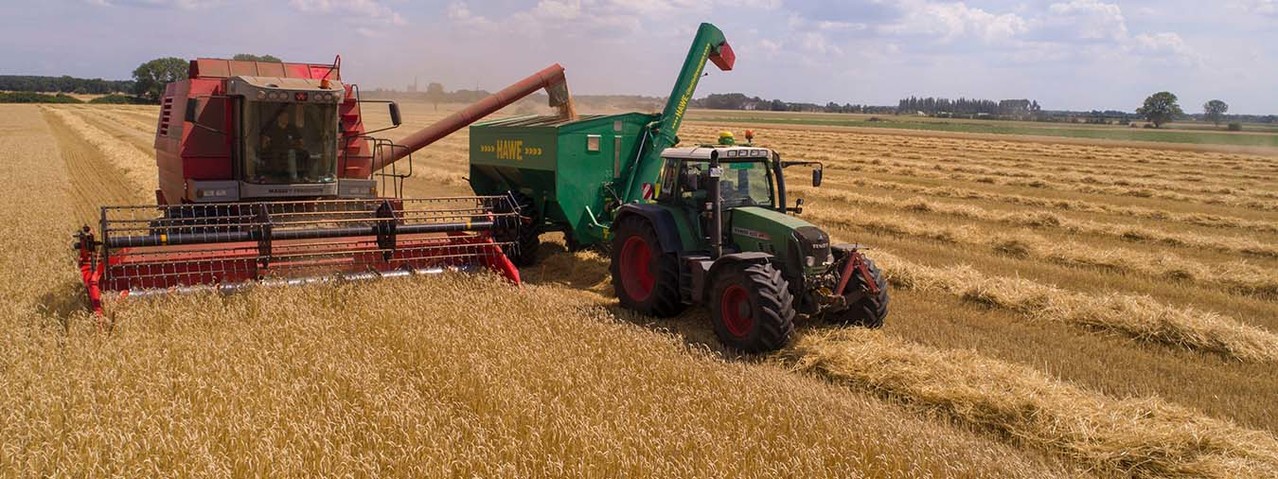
[[142, 250]]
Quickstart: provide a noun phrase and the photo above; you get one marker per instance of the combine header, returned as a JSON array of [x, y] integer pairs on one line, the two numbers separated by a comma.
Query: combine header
[[268, 174]]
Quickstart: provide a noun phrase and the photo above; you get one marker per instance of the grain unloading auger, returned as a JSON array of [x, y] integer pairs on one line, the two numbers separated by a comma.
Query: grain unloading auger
[[267, 174]]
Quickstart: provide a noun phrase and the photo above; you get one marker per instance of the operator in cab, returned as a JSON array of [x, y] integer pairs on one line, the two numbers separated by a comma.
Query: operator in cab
[[283, 150]]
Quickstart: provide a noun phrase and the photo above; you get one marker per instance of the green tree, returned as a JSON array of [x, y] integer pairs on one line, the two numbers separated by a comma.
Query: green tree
[[435, 93], [1160, 108], [249, 57], [1215, 111], [151, 77]]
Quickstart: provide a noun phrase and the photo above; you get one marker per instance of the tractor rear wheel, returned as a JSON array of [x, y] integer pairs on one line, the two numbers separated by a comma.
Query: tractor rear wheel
[[522, 246], [864, 309], [644, 278], [752, 308]]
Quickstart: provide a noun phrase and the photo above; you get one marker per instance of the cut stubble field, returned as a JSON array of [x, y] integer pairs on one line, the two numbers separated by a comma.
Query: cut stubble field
[[1060, 328]]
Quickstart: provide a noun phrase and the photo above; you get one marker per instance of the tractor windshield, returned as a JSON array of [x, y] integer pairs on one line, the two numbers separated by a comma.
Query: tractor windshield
[[744, 183], [290, 143]]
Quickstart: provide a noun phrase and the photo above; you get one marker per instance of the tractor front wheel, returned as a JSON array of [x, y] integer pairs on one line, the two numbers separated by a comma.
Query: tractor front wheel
[[644, 278], [752, 308], [864, 309]]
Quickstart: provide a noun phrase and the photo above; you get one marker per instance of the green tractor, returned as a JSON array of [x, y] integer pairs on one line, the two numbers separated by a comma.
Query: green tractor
[[720, 233], [686, 226]]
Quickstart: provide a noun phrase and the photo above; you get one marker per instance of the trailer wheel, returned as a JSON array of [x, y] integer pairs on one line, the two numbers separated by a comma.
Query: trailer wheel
[[863, 309], [752, 308], [522, 246], [643, 277]]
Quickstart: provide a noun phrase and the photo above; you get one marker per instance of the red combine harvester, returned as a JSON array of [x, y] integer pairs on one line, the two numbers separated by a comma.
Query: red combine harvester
[[267, 173]]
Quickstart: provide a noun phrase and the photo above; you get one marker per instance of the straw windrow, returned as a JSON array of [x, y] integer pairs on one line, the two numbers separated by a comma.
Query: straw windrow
[[1131, 437], [1139, 317]]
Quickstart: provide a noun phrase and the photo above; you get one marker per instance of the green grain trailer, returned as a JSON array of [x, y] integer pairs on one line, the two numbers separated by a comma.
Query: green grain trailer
[[561, 170], [707, 225]]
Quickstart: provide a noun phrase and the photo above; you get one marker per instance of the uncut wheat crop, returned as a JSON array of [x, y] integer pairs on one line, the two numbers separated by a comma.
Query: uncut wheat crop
[[1044, 324]]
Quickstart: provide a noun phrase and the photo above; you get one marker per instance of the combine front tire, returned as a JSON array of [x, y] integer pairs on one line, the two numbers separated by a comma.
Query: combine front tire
[[864, 309], [644, 278], [752, 308]]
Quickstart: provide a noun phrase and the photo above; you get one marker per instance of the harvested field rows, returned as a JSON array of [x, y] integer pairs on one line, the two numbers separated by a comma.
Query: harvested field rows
[[1046, 220], [426, 377], [1235, 276], [1012, 351]]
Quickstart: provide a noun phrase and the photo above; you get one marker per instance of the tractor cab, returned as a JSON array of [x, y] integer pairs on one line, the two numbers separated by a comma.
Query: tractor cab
[[287, 136], [748, 177]]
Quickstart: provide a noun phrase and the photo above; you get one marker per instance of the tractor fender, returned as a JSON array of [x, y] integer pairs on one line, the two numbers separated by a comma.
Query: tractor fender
[[701, 282], [662, 222]]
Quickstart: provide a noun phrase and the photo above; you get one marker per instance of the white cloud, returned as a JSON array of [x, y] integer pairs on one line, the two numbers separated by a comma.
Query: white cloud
[[948, 22], [1261, 7], [1072, 30], [1168, 46], [364, 12], [549, 17], [815, 42], [178, 4], [459, 13], [1086, 19]]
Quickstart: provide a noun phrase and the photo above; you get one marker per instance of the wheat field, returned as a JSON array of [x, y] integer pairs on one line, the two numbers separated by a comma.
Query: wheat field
[[1059, 310]]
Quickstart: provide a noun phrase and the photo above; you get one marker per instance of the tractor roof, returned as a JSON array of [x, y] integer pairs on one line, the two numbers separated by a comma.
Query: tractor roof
[[726, 153]]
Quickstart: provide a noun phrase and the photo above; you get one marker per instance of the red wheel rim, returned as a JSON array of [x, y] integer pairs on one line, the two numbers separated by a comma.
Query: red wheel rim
[[738, 317], [636, 268]]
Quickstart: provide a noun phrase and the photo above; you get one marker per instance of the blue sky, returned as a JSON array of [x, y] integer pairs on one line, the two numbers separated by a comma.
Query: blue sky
[[1067, 54]]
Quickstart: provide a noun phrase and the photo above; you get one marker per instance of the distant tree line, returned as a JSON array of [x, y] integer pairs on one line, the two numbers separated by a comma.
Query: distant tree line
[[969, 107], [33, 97], [740, 101], [63, 84]]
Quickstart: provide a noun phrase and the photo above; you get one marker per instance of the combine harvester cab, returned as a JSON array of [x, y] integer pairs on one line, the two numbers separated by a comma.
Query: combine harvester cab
[[267, 174]]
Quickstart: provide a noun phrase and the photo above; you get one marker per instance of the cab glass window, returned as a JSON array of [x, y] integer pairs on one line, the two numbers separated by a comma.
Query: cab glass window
[[290, 143]]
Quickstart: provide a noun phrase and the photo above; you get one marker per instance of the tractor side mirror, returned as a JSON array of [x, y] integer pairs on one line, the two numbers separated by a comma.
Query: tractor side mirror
[[816, 177], [394, 114], [798, 207]]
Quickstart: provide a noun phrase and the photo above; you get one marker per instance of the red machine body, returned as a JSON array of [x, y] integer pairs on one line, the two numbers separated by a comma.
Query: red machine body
[[212, 129], [266, 174], [196, 134]]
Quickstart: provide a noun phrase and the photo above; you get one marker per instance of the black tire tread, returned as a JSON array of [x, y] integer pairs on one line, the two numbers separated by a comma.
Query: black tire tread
[[774, 318], [867, 311], [665, 300]]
